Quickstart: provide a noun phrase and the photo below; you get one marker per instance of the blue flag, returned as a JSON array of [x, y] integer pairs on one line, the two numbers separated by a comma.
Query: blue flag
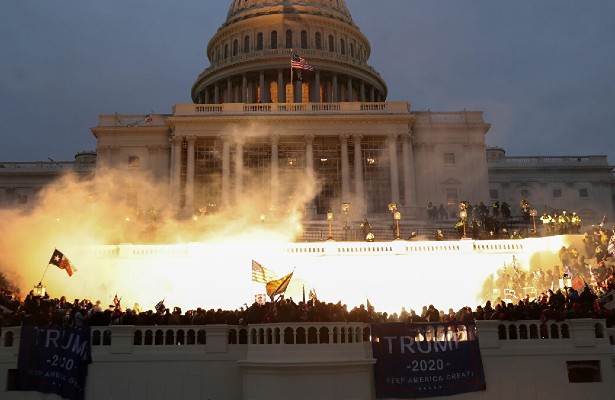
[[54, 360]]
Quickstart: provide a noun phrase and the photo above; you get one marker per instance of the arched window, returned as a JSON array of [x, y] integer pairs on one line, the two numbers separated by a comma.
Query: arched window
[[235, 47], [318, 40], [331, 44], [274, 39], [304, 41], [226, 51], [259, 41], [217, 53], [289, 39], [342, 47], [246, 44], [351, 50]]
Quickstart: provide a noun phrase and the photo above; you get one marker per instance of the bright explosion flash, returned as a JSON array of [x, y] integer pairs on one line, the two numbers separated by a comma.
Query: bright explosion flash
[[209, 265]]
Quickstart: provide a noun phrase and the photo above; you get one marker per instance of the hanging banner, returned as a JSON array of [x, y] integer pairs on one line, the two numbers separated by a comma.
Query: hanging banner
[[54, 360], [426, 360]]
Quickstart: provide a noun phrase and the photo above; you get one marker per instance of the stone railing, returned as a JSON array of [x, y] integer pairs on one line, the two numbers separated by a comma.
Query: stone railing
[[291, 108], [491, 334], [424, 118], [46, 166], [549, 161]]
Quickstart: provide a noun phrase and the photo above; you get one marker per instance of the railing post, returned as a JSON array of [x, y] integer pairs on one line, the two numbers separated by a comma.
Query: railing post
[[122, 338], [217, 341]]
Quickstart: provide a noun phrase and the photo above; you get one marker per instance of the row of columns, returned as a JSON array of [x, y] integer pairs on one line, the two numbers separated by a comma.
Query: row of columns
[[246, 92], [409, 186]]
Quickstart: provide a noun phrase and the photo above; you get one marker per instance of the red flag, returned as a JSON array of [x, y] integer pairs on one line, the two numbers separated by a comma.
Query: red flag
[[61, 261]]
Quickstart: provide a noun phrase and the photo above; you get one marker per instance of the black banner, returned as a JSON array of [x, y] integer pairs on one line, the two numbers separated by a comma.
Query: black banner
[[54, 360], [426, 360]]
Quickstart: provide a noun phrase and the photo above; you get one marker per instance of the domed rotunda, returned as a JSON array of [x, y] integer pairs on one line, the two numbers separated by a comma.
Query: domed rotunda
[[250, 56]]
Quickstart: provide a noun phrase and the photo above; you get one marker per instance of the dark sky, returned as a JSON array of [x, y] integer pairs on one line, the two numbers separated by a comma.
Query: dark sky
[[543, 71]]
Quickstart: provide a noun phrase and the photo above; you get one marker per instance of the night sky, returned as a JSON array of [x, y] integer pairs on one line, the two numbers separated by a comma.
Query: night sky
[[543, 71]]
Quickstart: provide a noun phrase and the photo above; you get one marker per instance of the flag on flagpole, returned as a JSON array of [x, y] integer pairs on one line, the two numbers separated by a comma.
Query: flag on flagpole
[[160, 306], [313, 294], [278, 286], [300, 63], [261, 274], [61, 261]]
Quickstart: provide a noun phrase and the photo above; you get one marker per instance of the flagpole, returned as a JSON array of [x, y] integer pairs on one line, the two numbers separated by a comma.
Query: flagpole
[[44, 273], [291, 68]]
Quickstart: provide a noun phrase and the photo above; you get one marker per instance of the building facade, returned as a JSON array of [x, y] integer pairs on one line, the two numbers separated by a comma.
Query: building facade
[[292, 140]]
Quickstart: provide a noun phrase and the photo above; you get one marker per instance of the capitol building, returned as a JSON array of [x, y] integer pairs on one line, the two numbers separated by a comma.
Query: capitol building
[[289, 119], [312, 140]]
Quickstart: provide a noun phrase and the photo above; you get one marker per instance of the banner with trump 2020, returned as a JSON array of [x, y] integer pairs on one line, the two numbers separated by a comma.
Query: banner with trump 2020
[[426, 359], [54, 360]]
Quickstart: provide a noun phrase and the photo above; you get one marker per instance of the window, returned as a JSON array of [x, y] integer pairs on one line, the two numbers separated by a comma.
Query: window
[[274, 39], [318, 40], [342, 46], [452, 198], [351, 50], [259, 41], [584, 371], [557, 193], [331, 44], [134, 161], [449, 158], [226, 51], [304, 43], [583, 193], [246, 44], [493, 194], [289, 39], [235, 47]]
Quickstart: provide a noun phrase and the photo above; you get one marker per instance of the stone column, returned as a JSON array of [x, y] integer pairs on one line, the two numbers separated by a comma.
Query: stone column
[[226, 171], [275, 171], [238, 172], [408, 169], [362, 91], [263, 91], [297, 91], [281, 88], [392, 142], [244, 89], [206, 98], [216, 94], [334, 97], [176, 178], [190, 175], [358, 166], [229, 90], [350, 93], [310, 208], [316, 88], [309, 156], [372, 96], [345, 168]]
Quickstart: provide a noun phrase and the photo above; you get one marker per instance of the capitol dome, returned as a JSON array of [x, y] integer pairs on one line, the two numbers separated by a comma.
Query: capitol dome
[[250, 54]]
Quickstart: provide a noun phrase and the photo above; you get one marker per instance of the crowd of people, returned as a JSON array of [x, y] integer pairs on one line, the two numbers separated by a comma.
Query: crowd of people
[[551, 304], [480, 221], [574, 289]]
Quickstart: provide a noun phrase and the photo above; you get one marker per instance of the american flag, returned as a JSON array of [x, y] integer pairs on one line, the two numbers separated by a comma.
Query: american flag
[[299, 62]]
